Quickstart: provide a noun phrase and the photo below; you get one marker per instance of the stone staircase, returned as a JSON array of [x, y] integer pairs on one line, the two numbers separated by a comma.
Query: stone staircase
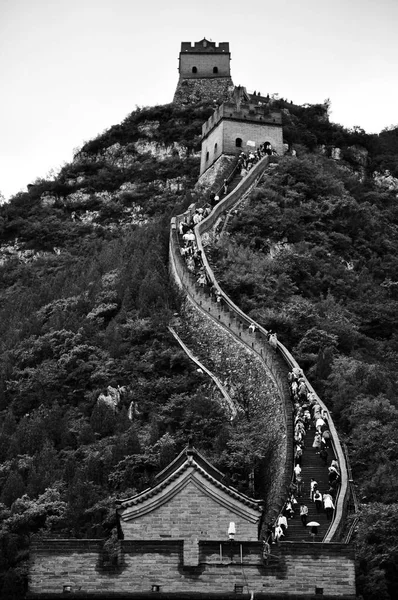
[[312, 468]]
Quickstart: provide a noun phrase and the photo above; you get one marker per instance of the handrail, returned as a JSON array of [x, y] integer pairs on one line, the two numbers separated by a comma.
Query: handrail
[[284, 357], [353, 496]]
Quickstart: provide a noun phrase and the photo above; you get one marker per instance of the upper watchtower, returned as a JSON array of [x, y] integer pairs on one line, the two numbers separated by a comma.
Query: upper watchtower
[[205, 73], [204, 59]]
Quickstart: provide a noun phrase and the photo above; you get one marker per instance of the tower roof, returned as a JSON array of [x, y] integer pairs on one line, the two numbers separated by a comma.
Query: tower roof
[[189, 467]]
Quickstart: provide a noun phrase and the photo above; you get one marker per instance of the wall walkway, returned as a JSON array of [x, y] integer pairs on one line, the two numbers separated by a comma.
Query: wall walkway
[[278, 362]]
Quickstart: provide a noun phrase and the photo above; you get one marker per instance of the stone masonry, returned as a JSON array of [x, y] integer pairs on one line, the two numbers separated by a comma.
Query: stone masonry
[[295, 570], [213, 89]]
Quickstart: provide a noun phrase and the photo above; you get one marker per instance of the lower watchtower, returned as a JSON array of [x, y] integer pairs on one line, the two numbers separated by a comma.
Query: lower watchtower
[[241, 124]]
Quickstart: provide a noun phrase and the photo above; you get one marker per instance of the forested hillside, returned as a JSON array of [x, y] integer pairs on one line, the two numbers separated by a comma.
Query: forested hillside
[[312, 256], [85, 300]]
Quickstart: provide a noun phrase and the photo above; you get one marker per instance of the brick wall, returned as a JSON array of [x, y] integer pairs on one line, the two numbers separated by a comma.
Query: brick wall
[[208, 146], [292, 570], [57, 563], [188, 515], [204, 64], [251, 131]]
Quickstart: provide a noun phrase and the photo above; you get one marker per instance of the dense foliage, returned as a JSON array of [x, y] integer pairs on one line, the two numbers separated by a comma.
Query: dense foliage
[[84, 304], [311, 127], [312, 256], [85, 300]]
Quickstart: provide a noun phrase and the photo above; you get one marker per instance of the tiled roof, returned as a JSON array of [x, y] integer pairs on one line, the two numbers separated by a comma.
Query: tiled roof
[[190, 459]]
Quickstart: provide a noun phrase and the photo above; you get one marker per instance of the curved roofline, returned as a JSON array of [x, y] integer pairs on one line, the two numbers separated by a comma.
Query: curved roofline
[[190, 458]]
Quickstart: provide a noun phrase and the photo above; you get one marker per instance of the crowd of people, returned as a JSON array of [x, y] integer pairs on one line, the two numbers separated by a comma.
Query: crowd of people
[[308, 417], [188, 247], [247, 159]]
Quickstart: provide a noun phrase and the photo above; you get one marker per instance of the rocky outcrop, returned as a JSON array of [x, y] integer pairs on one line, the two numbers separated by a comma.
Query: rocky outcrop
[[16, 251], [160, 151], [386, 181], [359, 154], [336, 153], [124, 156]]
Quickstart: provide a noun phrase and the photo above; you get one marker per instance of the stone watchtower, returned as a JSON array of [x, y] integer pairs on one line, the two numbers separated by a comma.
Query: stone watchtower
[[205, 72], [240, 124]]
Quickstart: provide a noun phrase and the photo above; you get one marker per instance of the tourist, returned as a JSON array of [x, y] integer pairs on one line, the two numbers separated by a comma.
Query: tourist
[[317, 443], [282, 522], [313, 487], [328, 506], [324, 456], [318, 501], [303, 514]]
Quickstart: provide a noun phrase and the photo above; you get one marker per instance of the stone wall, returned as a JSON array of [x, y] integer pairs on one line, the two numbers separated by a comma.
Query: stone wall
[[292, 569], [212, 179], [212, 147], [214, 89]]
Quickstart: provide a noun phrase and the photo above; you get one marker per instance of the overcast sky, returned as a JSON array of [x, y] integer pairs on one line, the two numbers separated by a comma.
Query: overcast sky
[[69, 69]]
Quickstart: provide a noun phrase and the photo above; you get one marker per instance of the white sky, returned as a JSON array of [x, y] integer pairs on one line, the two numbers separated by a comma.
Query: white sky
[[69, 69]]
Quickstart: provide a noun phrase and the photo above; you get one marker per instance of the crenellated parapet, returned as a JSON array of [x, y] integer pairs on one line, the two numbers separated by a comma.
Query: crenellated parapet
[[253, 113]]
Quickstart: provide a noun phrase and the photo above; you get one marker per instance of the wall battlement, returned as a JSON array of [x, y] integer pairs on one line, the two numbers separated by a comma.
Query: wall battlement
[[205, 46], [249, 112]]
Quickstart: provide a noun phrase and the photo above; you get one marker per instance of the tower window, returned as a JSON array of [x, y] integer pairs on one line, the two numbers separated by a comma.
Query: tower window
[[215, 148], [207, 156], [215, 69], [238, 142], [194, 70]]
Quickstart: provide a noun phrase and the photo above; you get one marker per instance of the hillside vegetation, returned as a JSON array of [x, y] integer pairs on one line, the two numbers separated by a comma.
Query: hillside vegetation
[[85, 300], [312, 256]]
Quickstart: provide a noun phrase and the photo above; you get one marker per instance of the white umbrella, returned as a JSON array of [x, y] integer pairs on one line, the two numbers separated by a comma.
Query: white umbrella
[[313, 524]]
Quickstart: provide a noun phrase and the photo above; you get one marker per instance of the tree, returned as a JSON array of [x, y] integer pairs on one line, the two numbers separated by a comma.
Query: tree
[[14, 488], [103, 419], [377, 556]]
